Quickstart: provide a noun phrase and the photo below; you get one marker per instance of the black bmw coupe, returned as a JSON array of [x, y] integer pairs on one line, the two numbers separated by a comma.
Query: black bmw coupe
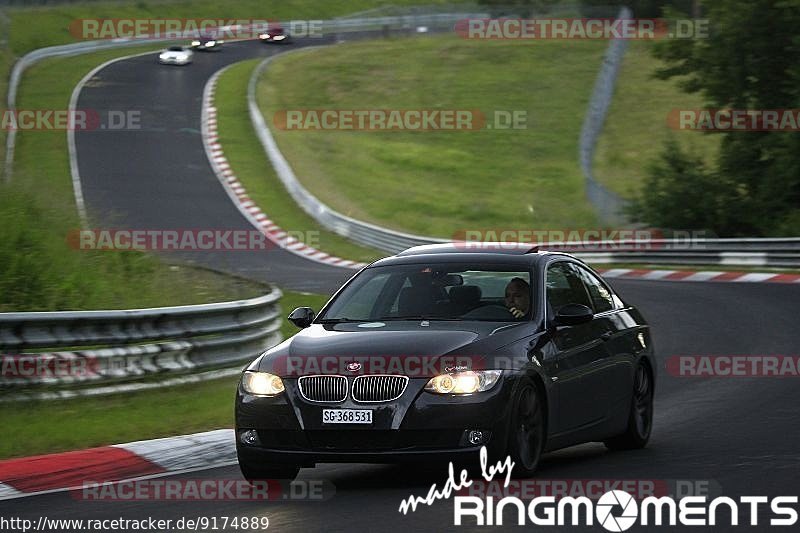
[[440, 350]]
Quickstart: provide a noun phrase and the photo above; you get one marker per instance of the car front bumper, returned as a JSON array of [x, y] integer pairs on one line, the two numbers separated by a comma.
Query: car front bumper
[[417, 427]]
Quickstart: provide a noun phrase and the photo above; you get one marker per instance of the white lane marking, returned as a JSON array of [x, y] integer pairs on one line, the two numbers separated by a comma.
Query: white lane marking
[[77, 188]]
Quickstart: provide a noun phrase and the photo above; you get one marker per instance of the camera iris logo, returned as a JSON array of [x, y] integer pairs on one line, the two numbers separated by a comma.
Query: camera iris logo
[[611, 500]]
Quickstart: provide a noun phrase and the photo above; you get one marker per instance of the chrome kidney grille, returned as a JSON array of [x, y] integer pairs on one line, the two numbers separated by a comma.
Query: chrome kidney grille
[[323, 388], [380, 388]]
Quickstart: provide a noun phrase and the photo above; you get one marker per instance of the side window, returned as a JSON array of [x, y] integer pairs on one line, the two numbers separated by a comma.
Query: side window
[[564, 287], [600, 295]]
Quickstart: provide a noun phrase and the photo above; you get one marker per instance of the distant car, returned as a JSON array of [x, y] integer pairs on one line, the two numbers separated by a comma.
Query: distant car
[[440, 350], [207, 43], [176, 55], [276, 35]]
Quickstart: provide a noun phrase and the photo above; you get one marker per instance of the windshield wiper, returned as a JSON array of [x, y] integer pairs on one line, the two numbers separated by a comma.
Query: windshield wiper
[[341, 320], [417, 317]]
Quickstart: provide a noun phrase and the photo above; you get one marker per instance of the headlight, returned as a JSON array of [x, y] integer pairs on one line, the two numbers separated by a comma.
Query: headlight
[[211, 43], [465, 382], [262, 383], [279, 37], [195, 43], [264, 36]]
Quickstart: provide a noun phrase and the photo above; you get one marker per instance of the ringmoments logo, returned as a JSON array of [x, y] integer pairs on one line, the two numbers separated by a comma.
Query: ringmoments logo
[[615, 510]]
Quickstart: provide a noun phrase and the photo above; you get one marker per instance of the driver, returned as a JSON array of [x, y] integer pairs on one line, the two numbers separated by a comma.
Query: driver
[[518, 297]]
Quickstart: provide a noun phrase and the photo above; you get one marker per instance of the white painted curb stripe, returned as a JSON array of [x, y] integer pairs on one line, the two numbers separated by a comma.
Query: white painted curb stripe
[[207, 449], [702, 276], [616, 272], [754, 277], [658, 274], [7, 492], [238, 194]]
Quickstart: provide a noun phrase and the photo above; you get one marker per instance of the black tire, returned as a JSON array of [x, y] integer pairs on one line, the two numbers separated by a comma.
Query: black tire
[[640, 419], [526, 436]]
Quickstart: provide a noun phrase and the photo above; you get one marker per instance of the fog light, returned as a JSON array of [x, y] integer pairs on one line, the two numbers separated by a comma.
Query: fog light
[[477, 436], [249, 437]]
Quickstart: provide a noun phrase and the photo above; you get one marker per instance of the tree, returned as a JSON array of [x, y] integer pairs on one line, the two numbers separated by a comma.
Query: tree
[[749, 61]]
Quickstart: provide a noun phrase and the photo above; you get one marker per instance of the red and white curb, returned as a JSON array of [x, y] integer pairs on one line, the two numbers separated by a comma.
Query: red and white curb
[[689, 275], [42, 474], [237, 192]]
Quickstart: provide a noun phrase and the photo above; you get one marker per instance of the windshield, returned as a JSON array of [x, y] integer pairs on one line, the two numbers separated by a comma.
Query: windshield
[[434, 292], [175, 49]]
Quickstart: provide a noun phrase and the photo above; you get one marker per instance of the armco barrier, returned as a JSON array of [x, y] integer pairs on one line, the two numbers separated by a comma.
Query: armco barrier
[[98, 348], [607, 203]]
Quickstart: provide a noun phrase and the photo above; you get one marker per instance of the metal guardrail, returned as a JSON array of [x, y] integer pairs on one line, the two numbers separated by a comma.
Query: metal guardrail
[[356, 230], [97, 348], [607, 203], [371, 234]]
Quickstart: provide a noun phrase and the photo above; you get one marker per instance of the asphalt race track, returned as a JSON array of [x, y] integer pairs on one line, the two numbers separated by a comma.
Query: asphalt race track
[[740, 435], [158, 177]]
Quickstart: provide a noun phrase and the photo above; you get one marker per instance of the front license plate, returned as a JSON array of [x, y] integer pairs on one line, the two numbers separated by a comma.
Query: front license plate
[[346, 416]]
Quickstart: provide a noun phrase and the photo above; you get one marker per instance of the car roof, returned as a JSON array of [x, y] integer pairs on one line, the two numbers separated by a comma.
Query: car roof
[[466, 252], [504, 248]]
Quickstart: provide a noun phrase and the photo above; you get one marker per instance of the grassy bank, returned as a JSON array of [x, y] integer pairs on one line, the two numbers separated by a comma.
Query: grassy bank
[[38, 269], [247, 159], [439, 182], [37, 27], [636, 127]]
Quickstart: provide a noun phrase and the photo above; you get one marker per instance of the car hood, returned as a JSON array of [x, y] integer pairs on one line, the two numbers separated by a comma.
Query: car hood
[[402, 347]]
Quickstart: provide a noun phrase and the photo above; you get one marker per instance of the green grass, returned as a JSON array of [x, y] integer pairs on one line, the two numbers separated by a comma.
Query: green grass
[[38, 269], [247, 159], [437, 183], [636, 127], [48, 427]]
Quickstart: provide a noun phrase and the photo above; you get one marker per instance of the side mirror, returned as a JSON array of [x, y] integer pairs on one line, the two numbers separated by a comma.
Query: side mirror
[[302, 317], [573, 314]]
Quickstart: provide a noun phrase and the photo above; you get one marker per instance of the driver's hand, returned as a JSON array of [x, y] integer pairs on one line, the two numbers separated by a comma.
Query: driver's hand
[[516, 312]]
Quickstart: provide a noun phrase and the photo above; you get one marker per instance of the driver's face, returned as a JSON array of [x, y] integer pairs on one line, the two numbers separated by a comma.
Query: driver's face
[[517, 296]]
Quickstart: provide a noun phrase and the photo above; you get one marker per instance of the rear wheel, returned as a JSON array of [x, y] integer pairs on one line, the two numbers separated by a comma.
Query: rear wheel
[[640, 420], [527, 431]]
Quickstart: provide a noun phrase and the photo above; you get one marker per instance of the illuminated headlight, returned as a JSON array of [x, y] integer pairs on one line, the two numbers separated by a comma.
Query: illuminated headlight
[[163, 56], [264, 36], [279, 37], [466, 382], [262, 383], [195, 43], [211, 43]]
